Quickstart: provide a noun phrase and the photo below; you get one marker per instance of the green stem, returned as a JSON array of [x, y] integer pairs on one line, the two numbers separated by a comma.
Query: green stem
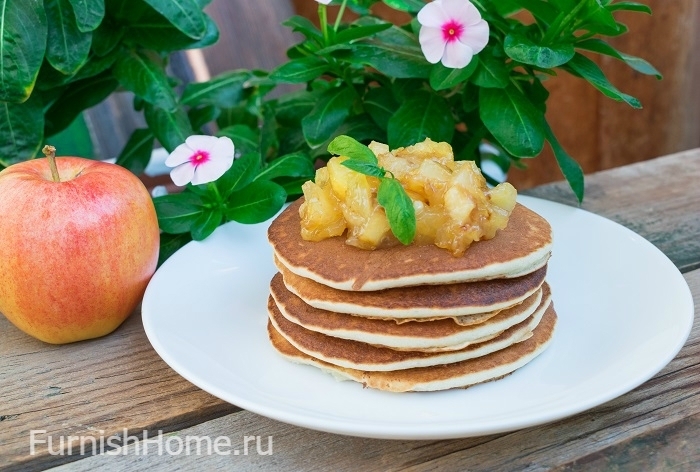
[[554, 32], [50, 153], [323, 19], [340, 16], [215, 190]]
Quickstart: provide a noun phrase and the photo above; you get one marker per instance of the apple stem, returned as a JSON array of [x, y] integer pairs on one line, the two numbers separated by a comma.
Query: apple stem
[[50, 153]]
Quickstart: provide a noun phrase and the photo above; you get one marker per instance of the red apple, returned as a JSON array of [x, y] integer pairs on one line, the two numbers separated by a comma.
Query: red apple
[[75, 255]]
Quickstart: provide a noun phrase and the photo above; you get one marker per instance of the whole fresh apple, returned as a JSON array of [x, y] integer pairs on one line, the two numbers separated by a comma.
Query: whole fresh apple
[[77, 247]]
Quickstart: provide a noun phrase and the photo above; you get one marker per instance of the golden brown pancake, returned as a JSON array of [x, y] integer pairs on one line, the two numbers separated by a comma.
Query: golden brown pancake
[[432, 336], [455, 375], [422, 301], [522, 247], [362, 356]]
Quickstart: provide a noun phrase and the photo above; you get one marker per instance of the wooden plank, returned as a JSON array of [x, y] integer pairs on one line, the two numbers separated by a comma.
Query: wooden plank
[[105, 384], [650, 412], [658, 199]]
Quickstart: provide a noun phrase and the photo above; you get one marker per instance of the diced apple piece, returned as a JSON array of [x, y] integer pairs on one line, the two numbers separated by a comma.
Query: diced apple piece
[[321, 216], [503, 196]]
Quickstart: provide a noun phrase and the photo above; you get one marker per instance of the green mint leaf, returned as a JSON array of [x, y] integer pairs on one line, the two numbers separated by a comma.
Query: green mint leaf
[[349, 147], [399, 209], [363, 167]]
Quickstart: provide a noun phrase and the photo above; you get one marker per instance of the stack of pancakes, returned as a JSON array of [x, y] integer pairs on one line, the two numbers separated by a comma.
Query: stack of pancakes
[[412, 318]]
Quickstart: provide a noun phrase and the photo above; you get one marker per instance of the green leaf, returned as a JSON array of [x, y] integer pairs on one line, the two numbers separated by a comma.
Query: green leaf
[[601, 19], [170, 243], [412, 6], [300, 70], [442, 77], [491, 73], [569, 167], [354, 32], [523, 49], [545, 12], [394, 60], [257, 202], [331, 110], [292, 107], [223, 91], [206, 223], [200, 116], [513, 120], [140, 74], [425, 115], [152, 31], [79, 96], [359, 127], [185, 15], [107, 36], [22, 46], [399, 209], [629, 6], [244, 138], [236, 115], [241, 173], [564, 5], [137, 151], [67, 47], [300, 24], [364, 167], [269, 143], [178, 212], [296, 164], [353, 149], [602, 47], [94, 66], [590, 71], [88, 13], [380, 104], [171, 128], [21, 130]]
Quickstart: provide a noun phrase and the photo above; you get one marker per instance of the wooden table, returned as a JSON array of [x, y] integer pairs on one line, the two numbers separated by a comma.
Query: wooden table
[[106, 386]]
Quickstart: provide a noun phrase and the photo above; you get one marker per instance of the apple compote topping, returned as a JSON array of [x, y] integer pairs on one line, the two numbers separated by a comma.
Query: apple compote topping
[[454, 207]]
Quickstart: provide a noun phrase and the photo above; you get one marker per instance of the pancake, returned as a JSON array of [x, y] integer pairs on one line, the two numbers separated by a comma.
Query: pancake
[[417, 302], [432, 336], [362, 356], [456, 375], [522, 247]]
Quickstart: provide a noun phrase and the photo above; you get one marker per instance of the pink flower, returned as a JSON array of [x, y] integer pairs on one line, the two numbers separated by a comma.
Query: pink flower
[[200, 159], [325, 2], [452, 31]]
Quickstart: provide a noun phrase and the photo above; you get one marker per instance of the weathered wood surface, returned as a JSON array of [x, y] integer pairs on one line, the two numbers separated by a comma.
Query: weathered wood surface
[[654, 427], [120, 382], [106, 384], [657, 199]]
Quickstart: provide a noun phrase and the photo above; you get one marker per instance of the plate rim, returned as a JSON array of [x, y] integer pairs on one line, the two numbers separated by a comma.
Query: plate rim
[[428, 431]]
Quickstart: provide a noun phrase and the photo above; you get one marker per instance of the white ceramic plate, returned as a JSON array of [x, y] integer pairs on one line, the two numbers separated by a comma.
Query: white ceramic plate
[[624, 312]]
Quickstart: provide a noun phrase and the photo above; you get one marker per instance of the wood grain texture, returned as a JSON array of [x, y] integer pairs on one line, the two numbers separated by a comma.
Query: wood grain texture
[[120, 382], [105, 384], [658, 199], [613, 436]]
